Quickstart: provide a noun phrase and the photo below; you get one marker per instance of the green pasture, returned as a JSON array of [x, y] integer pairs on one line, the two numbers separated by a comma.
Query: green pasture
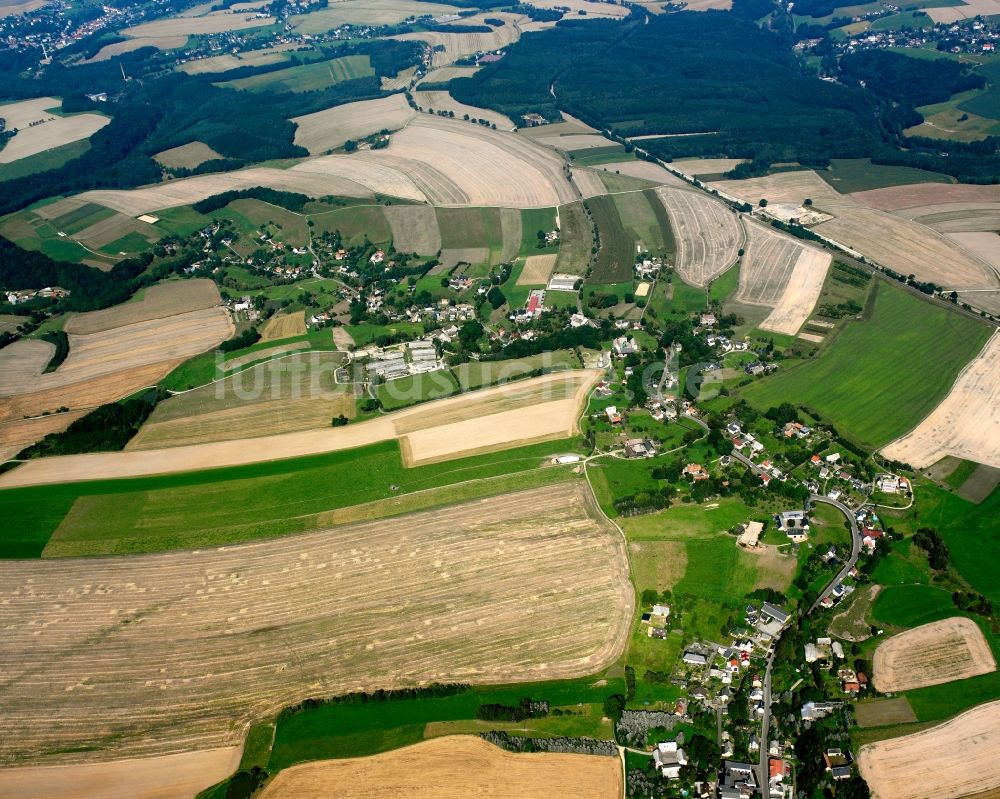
[[860, 174], [306, 77]]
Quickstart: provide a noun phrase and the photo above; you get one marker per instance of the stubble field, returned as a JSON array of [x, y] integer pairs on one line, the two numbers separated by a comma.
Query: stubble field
[[215, 22], [453, 767], [708, 234], [952, 760], [967, 422], [537, 269], [449, 47], [55, 131], [157, 302], [284, 325], [151, 654], [932, 654], [442, 101], [329, 129], [414, 228], [187, 156], [365, 12], [800, 294]]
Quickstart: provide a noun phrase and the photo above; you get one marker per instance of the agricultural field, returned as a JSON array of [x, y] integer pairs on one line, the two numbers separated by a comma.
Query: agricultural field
[[537, 269], [172, 28], [450, 47], [54, 130], [617, 250], [329, 129], [952, 760], [543, 408], [306, 77], [767, 265], [642, 214], [965, 10], [365, 12], [644, 170], [41, 162], [228, 61], [589, 8], [283, 325], [876, 397], [477, 374], [438, 100], [452, 768], [708, 234], [543, 574], [799, 296], [156, 302], [965, 424], [699, 167], [860, 174], [414, 228], [882, 712], [575, 240], [576, 141], [932, 654], [898, 198], [187, 156], [588, 182], [354, 223]]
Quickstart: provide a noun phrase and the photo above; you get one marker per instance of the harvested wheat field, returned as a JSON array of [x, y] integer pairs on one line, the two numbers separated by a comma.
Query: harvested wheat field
[[260, 355], [454, 767], [588, 182], [284, 325], [228, 61], [576, 141], [214, 22], [588, 7], [54, 130], [17, 434], [956, 217], [800, 294], [329, 129], [767, 265], [954, 759], [442, 101], [693, 167], [984, 243], [966, 10], [537, 269], [157, 302], [932, 654], [187, 156], [414, 228], [146, 655], [896, 198], [967, 422], [175, 776], [364, 12], [708, 234], [646, 171], [454, 46], [563, 393]]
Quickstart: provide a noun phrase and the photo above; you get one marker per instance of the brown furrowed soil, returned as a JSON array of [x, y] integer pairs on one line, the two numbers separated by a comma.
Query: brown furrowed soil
[[157, 302], [454, 767], [932, 654], [145, 655], [955, 759]]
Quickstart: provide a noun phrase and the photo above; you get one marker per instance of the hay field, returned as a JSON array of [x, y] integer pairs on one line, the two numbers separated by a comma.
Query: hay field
[[954, 759], [454, 767], [708, 234], [159, 301], [537, 269], [967, 10], [896, 198], [901, 244], [228, 61], [588, 182], [365, 12], [174, 776], [491, 407], [932, 654], [693, 167], [146, 655], [55, 131], [800, 294], [329, 129], [414, 228], [967, 422], [187, 156], [443, 101], [284, 325], [646, 171], [214, 22]]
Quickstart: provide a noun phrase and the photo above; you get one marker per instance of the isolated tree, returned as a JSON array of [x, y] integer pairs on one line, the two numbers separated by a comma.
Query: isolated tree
[[762, 203]]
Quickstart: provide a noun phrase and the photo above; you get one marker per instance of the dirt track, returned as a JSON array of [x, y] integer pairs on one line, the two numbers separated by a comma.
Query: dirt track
[[956, 759], [932, 654], [150, 654], [455, 767]]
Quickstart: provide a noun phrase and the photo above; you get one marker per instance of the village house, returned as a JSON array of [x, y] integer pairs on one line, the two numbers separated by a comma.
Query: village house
[[639, 448], [613, 416], [624, 346], [669, 757], [695, 471]]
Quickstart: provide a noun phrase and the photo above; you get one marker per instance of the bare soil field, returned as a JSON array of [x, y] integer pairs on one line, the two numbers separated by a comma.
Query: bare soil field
[[967, 10], [157, 302], [443, 101], [800, 294], [453, 767], [187, 156], [882, 712], [329, 129], [146, 655], [588, 182], [955, 759], [896, 198], [414, 228], [214, 22], [537, 269], [646, 171], [932, 654], [967, 422], [486, 406], [284, 325], [708, 234], [365, 12], [54, 130], [694, 167], [175, 776]]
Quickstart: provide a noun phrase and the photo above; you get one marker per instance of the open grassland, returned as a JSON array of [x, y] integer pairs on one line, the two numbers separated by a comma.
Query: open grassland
[[476, 374], [414, 228], [354, 223], [365, 12], [453, 767], [215, 22], [967, 422], [54, 131], [187, 156], [44, 161], [438, 100], [905, 246], [955, 759], [883, 374], [157, 302], [329, 129], [882, 712], [932, 654], [176, 775], [284, 325], [617, 250], [306, 77], [469, 228], [467, 424], [575, 240], [708, 234], [483, 592]]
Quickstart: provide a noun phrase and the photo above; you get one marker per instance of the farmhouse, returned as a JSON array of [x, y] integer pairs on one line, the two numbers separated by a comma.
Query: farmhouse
[[613, 416], [563, 283], [625, 345], [750, 535], [639, 448], [695, 471], [669, 758]]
